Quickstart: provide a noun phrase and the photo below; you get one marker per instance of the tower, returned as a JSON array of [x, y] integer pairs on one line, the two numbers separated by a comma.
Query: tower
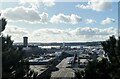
[[25, 41]]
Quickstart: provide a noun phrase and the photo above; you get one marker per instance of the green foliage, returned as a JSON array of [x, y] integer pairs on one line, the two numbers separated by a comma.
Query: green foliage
[[112, 49], [107, 68], [14, 65], [98, 70], [3, 23]]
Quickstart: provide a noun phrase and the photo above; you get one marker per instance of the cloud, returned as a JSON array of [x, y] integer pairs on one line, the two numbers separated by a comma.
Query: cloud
[[89, 21], [21, 13], [16, 32], [61, 18], [44, 18], [60, 35], [25, 14], [107, 21], [78, 34], [96, 5], [35, 4], [48, 3], [95, 31], [11, 29]]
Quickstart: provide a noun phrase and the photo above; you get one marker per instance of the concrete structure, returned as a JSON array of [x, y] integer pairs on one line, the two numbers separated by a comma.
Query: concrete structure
[[42, 70], [40, 61], [25, 41], [65, 71], [38, 68]]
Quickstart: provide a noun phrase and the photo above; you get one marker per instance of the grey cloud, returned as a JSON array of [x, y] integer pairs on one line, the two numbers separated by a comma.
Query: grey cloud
[[25, 14]]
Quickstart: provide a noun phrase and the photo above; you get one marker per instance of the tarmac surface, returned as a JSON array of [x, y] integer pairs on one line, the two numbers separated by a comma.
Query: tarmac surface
[[64, 70]]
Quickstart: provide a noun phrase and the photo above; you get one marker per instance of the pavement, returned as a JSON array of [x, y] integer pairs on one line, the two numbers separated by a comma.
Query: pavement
[[63, 72], [64, 63]]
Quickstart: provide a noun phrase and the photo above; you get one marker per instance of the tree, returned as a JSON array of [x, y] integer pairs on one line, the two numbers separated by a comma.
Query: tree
[[14, 65], [112, 49], [3, 23], [109, 67]]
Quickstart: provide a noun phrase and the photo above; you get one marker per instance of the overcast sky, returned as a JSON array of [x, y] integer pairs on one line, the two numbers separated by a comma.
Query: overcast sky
[[51, 21]]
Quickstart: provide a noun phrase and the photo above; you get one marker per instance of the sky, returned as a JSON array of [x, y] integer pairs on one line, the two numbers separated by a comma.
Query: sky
[[51, 21]]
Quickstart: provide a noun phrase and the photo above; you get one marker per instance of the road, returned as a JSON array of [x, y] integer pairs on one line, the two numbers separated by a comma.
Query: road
[[64, 63], [63, 72]]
